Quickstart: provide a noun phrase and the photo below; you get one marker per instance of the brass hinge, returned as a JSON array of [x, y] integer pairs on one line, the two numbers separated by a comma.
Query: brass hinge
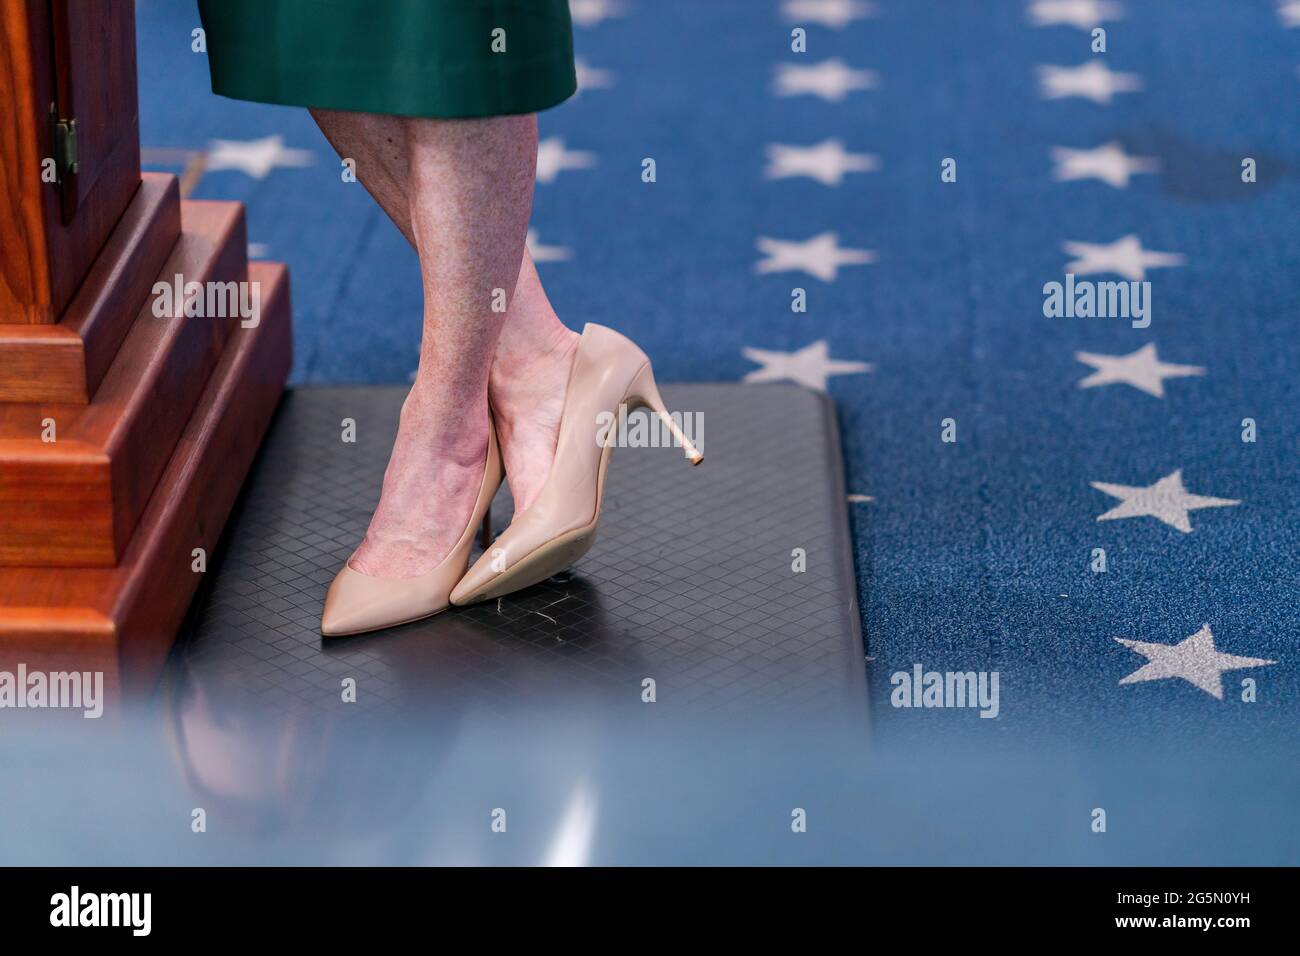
[[64, 139]]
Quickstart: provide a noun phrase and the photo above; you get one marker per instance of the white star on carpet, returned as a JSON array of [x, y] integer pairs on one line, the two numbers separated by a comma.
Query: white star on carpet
[[1109, 163], [255, 157], [810, 366], [836, 14], [1166, 500], [1124, 257], [830, 79], [820, 256], [258, 250], [1289, 13], [827, 162], [1084, 14], [590, 77], [1195, 660], [553, 159], [587, 13], [1141, 369], [1092, 80], [541, 253]]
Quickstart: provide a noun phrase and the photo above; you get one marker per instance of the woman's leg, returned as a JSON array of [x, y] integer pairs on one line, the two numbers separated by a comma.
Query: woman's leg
[[376, 143], [527, 385], [535, 351], [469, 189]]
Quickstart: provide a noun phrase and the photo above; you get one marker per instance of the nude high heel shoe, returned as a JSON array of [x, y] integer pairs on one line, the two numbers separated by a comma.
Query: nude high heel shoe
[[610, 376], [357, 603]]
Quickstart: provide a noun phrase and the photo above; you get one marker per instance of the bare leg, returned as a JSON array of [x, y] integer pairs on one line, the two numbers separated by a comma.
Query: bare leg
[[535, 352], [469, 189], [377, 144], [527, 385]]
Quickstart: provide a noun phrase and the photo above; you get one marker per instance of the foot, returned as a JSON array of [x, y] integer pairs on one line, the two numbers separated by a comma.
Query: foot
[[526, 389], [430, 487]]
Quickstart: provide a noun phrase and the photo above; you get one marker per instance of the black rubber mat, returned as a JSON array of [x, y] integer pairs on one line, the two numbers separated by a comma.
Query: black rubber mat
[[690, 583]]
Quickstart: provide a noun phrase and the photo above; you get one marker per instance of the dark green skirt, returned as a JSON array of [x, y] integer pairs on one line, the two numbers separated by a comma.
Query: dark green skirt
[[437, 58]]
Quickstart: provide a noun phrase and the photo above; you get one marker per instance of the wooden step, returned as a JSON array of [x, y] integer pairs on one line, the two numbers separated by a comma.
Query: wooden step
[[74, 501], [122, 620], [66, 361]]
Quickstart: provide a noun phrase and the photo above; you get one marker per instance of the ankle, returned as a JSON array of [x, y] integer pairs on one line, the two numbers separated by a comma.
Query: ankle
[[447, 430], [531, 337], [525, 361]]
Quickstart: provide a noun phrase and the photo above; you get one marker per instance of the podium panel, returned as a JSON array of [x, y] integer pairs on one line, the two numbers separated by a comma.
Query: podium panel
[[71, 149]]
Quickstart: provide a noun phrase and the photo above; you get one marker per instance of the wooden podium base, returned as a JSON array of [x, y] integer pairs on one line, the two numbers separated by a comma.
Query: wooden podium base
[[66, 361], [122, 620], [129, 411], [75, 501]]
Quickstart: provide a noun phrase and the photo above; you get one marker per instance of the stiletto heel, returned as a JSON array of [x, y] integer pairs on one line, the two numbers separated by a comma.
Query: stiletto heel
[[485, 532], [357, 602], [609, 375], [645, 393]]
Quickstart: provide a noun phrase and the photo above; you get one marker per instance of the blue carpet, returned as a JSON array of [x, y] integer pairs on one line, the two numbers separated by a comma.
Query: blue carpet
[[973, 555]]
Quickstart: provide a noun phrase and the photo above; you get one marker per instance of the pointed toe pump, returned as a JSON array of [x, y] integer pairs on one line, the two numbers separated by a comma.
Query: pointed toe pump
[[358, 603], [610, 376]]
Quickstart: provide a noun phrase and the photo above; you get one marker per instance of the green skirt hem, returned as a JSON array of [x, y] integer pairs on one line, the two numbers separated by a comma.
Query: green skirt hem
[[445, 94], [443, 59]]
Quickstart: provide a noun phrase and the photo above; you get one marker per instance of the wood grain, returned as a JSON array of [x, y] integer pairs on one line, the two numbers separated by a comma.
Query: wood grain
[[96, 85], [66, 362], [75, 501], [44, 259], [24, 254]]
